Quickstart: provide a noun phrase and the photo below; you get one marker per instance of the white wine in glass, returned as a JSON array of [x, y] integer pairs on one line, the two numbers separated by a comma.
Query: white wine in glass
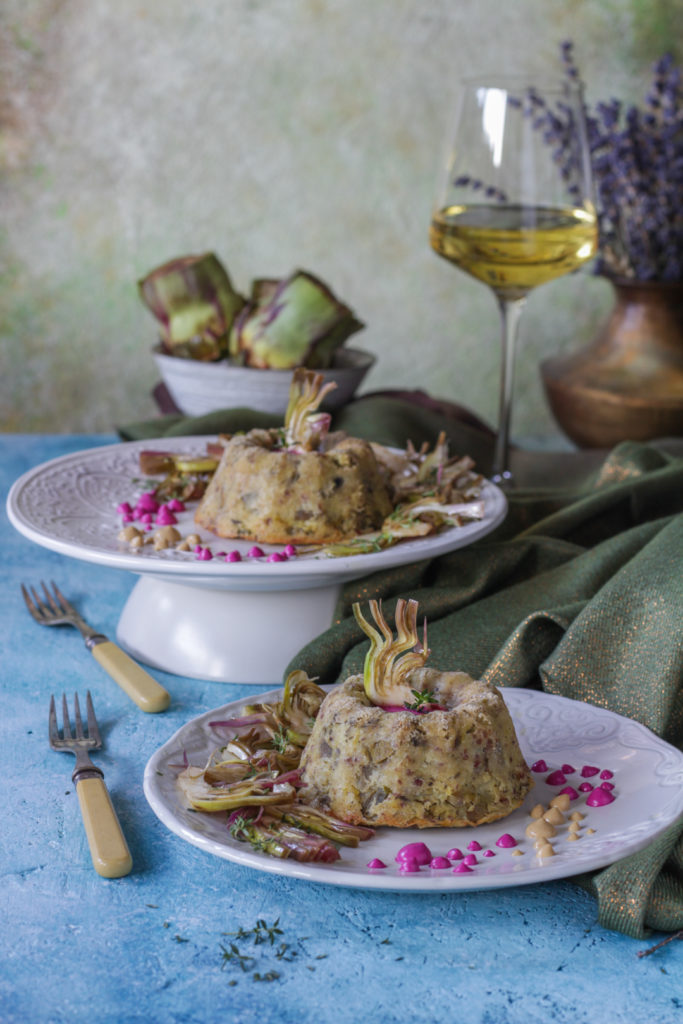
[[514, 208]]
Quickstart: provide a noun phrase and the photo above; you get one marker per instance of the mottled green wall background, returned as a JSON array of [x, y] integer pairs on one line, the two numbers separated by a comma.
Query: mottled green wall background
[[280, 134]]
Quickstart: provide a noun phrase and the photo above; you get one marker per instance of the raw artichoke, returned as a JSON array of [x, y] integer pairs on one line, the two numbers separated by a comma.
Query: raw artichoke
[[297, 321], [195, 304]]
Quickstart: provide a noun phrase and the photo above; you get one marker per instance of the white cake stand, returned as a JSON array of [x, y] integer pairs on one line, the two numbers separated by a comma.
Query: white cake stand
[[238, 622]]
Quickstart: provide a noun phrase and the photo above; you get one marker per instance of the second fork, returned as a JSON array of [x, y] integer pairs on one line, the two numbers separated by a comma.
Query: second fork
[[55, 610], [108, 848]]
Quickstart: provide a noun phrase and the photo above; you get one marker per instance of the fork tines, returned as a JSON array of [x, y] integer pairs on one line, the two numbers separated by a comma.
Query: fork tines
[[57, 602], [93, 731], [61, 604]]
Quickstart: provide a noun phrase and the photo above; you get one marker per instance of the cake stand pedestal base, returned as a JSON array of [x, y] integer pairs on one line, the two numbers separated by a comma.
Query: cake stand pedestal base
[[222, 635]]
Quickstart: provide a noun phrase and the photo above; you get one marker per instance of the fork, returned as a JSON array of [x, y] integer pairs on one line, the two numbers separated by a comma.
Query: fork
[[108, 848], [55, 610]]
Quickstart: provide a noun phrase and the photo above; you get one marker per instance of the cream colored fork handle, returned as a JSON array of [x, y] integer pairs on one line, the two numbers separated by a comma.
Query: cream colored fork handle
[[108, 848], [147, 693]]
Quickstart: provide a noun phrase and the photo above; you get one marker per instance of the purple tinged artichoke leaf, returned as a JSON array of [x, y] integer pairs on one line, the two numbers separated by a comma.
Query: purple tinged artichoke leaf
[[195, 304], [297, 321]]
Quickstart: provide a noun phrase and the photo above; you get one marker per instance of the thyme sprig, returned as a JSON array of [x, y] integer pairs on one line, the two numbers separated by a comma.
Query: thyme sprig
[[658, 945], [234, 956], [262, 934], [422, 697]]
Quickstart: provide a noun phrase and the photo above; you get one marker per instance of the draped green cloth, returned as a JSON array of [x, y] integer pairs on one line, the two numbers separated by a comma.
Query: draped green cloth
[[578, 592]]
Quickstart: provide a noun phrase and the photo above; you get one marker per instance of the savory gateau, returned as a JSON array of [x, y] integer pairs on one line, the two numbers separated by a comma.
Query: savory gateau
[[449, 758], [296, 485]]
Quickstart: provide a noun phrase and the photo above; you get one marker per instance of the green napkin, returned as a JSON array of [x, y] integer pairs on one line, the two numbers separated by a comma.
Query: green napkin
[[390, 417], [578, 592]]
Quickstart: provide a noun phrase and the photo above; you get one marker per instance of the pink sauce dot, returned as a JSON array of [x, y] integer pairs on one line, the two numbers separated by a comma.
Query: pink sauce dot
[[255, 552], [588, 771], [506, 841], [585, 787], [571, 792], [128, 517], [146, 517], [539, 766], [147, 502], [276, 557], [470, 859], [599, 798], [556, 778], [175, 505], [607, 786], [409, 865], [462, 869], [197, 548], [165, 518], [606, 774], [419, 852], [489, 853], [290, 551], [124, 508], [568, 769], [204, 555], [474, 845], [439, 862], [233, 556], [454, 854], [376, 863]]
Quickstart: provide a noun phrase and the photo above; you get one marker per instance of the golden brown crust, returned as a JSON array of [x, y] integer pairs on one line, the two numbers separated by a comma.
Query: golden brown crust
[[451, 768], [289, 497]]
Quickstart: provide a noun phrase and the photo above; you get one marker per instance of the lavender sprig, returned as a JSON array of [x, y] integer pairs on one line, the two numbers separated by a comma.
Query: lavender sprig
[[637, 159], [465, 180]]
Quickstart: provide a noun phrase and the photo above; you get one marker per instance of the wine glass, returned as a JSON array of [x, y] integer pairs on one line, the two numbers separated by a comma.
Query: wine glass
[[514, 207]]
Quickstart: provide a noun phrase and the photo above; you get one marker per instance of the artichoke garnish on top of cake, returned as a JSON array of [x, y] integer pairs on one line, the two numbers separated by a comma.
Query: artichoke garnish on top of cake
[[305, 427], [390, 662]]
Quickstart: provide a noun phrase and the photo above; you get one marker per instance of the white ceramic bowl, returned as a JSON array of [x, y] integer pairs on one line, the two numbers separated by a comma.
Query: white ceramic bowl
[[198, 388]]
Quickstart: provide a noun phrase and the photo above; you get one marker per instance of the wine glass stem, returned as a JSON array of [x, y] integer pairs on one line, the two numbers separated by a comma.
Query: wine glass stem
[[510, 312]]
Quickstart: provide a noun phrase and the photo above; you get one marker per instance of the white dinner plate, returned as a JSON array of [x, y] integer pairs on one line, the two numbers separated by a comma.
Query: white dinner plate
[[195, 618], [648, 791], [69, 505]]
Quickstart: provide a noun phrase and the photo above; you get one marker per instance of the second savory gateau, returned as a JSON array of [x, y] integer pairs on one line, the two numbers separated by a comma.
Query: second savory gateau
[[446, 756]]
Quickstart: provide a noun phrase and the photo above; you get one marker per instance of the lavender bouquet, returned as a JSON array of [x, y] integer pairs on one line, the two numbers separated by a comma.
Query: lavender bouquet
[[637, 160]]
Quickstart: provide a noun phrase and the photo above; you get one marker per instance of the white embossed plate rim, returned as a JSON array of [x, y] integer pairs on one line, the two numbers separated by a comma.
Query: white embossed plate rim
[[69, 505], [648, 779]]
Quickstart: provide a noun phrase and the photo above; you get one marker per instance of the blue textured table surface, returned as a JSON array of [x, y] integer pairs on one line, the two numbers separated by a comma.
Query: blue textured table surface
[[149, 947]]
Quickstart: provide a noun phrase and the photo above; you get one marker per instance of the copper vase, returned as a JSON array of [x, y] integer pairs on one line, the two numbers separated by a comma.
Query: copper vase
[[628, 383]]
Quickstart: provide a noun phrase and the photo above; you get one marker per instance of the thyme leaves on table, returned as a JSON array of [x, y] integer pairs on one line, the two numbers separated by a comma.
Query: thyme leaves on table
[[232, 955], [267, 963], [262, 934]]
